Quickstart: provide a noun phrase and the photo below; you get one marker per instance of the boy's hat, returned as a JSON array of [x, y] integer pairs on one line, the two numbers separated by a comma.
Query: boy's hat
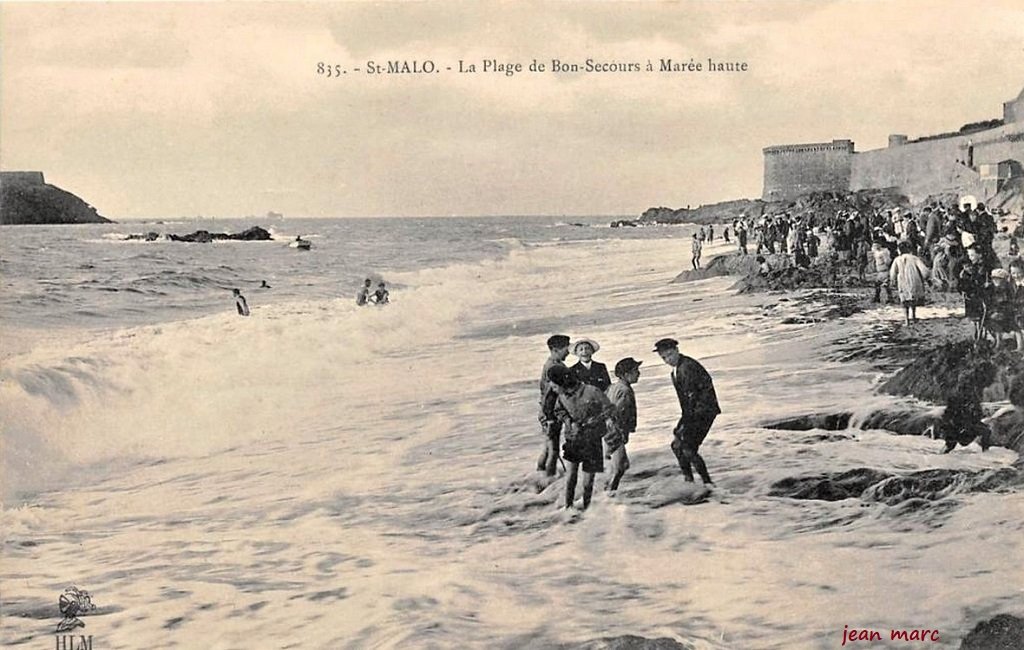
[[1000, 273], [626, 365], [665, 344], [558, 341], [592, 342]]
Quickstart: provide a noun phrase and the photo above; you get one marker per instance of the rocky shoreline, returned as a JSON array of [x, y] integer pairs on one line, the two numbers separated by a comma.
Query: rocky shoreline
[[918, 362]]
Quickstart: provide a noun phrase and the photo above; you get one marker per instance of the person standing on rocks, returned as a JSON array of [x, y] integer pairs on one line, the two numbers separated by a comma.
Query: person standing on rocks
[[699, 405], [909, 275]]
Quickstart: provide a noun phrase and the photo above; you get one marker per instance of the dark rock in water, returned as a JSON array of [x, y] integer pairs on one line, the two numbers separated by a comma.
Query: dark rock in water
[[202, 236], [902, 421], [884, 487], [828, 487], [826, 421], [1004, 632], [628, 642]]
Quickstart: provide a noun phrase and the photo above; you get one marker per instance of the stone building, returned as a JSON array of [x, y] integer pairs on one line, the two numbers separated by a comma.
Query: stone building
[[978, 159]]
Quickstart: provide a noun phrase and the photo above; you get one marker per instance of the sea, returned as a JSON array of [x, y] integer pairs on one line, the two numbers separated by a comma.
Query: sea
[[323, 475]]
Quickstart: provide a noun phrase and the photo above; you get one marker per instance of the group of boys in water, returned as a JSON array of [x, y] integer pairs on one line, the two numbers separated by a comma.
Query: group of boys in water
[[594, 417]]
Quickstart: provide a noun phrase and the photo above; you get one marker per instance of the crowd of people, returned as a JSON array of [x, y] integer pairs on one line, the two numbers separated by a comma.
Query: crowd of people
[[906, 254], [586, 419]]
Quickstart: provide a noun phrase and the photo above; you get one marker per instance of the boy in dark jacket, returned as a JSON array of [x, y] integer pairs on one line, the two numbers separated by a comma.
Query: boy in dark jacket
[[582, 410]]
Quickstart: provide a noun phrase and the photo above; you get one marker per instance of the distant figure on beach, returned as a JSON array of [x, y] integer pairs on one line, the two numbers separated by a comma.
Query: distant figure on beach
[[364, 294], [711, 233], [699, 405], [741, 238], [264, 285], [586, 369], [380, 296], [558, 350], [240, 303], [696, 247], [703, 234], [725, 234], [582, 409], [909, 274], [622, 421]]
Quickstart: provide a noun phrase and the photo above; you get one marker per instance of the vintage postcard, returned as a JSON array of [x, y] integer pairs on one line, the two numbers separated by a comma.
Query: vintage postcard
[[686, 324]]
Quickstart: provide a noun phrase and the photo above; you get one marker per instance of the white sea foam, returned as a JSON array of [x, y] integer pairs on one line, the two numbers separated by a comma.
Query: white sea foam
[[361, 477]]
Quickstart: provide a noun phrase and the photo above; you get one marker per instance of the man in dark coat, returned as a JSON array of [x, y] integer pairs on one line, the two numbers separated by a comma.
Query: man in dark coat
[[699, 404]]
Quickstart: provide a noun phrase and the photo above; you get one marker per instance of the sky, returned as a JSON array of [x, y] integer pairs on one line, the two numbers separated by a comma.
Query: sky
[[151, 110]]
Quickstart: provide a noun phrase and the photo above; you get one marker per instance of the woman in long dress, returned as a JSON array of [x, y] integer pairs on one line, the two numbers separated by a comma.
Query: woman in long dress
[[909, 274]]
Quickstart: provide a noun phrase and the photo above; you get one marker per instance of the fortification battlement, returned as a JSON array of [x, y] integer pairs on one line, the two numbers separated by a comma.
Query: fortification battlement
[[845, 146], [32, 178]]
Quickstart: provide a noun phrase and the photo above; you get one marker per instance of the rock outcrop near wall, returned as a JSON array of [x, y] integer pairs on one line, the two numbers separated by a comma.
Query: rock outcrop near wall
[[26, 198]]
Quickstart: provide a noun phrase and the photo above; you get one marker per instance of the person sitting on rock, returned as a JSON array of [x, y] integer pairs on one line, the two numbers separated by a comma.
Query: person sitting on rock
[[961, 422]]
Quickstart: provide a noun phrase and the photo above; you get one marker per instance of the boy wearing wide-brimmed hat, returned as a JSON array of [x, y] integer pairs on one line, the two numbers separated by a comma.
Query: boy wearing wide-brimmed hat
[[586, 369], [622, 421]]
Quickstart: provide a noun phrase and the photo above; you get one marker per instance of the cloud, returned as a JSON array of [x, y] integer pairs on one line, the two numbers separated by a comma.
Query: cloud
[[153, 109]]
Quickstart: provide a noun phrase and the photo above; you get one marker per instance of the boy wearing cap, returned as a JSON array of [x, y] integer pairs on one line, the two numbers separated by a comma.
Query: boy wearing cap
[[586, 369], [1000, 316], [558, 350], [582, 410], [699, 405], [973, 282], [622, 421]]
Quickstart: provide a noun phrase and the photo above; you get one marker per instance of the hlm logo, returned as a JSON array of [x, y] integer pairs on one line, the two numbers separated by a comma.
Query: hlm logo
[[72, 602], [72, 642]]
